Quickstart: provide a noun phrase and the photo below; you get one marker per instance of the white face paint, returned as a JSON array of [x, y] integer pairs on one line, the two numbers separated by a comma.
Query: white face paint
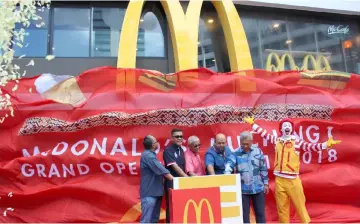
[[286, 129]]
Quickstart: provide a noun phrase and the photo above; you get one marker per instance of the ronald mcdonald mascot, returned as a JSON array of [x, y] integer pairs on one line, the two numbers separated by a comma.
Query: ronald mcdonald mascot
[[286, 167]]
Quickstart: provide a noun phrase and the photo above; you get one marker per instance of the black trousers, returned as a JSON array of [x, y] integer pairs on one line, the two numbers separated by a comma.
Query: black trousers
[[167, 185], [167, 207], [258, 201]]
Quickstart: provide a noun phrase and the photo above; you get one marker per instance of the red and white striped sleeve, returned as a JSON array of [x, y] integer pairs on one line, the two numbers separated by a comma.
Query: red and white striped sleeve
[[308, 147], [264, 134]]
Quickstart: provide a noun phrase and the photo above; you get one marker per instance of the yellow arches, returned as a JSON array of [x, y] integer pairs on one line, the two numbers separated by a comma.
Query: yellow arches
[[184, 28], [319, 64], [184, 34]]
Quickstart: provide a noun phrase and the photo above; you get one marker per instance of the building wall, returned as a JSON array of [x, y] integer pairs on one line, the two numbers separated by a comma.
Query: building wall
[[84, 35], [74, 66]]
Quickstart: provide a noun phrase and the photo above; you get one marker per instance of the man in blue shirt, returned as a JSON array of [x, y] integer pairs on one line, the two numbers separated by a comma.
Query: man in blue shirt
[[217, 155], [251, 165], [151, 182]]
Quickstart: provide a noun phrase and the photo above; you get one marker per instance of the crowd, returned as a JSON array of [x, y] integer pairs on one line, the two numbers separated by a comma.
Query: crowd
[[247, 160]]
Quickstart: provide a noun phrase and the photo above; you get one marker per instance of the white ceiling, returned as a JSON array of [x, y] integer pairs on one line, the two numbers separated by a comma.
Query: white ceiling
[[351, 7]]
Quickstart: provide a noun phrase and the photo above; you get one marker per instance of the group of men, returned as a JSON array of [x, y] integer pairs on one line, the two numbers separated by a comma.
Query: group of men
[[248, 160]]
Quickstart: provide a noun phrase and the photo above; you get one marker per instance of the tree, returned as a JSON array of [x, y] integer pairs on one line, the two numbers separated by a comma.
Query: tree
[[11, 13]]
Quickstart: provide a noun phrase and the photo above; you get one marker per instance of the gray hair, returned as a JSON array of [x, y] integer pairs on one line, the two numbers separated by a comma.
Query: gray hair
[[193, 139], [246, 136]]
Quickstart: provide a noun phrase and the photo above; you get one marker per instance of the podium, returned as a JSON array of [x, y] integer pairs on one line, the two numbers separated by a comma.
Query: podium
[[206, 199]]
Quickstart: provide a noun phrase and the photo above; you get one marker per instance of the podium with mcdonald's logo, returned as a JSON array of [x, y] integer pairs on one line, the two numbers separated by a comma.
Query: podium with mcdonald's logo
[[206, 199]]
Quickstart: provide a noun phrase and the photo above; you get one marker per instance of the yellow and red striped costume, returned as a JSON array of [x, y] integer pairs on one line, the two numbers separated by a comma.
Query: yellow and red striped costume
[[287, 151], [288, 186]]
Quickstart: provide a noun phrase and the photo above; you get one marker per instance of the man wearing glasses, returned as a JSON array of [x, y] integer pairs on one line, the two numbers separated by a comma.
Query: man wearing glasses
[[175, 162], [193, 164]]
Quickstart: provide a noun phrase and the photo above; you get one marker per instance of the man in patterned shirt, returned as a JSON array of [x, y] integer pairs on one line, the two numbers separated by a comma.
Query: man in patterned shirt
[[251, 165]]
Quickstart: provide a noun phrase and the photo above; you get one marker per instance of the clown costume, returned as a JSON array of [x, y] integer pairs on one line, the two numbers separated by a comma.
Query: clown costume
[[288, 185]]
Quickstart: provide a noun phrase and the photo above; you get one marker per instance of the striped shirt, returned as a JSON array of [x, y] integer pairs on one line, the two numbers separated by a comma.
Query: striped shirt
[[299, 145]]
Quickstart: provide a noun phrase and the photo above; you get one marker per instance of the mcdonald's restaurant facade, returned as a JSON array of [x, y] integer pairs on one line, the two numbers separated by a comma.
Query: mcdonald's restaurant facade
[[219, 35]]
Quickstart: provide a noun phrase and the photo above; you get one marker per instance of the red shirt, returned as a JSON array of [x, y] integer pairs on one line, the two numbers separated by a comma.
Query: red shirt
[[193, 163]]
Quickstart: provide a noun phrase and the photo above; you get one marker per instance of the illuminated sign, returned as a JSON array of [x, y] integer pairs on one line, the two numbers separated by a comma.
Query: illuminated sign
[[184, 29], [198, 209], [338, 29], [320, 63]]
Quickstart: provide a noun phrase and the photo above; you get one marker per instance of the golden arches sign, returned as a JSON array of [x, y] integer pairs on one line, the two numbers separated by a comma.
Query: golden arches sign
[[184, 29], [319, 64], [197, 209]]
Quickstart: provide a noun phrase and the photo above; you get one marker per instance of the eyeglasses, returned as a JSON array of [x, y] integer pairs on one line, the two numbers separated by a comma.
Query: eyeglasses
[[197, 146], [178, 136]]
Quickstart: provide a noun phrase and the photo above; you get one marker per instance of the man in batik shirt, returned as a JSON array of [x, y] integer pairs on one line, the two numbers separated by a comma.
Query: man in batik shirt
[[251, 165]]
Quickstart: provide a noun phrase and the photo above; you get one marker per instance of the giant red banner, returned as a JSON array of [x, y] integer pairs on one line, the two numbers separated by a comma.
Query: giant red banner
[[71, 152]]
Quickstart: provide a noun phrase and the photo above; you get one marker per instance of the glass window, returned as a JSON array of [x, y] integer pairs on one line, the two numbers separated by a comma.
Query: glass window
[[302, 43], [210, 62], [71, 32], [351, 48], [329, 44], [208, 48], [107, 23], [274, 39], [35, 43], [206, 54], [200, 64], [150, 41], [250, 24]]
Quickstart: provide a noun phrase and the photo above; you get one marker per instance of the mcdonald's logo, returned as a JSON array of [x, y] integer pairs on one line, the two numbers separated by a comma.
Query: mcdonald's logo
[[198, 209], [196, 205], [184, 33], [318, 64]]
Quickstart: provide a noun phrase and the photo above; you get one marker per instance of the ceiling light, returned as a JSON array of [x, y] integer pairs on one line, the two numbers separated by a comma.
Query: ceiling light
[[210, 21], [348, 44], [276, 25]]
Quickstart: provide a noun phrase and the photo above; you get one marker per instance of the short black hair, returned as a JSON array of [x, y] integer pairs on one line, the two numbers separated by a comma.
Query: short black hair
[[148, 142], [175, 130]]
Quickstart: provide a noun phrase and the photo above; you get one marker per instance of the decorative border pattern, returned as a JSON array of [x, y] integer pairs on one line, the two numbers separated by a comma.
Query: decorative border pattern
[[179, 117]]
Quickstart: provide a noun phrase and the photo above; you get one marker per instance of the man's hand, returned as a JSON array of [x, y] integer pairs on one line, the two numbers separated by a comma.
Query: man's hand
[[191, 174], [266, 189], [210, 169], [332, 142], [249, 120], [179, 171], [169, 176]]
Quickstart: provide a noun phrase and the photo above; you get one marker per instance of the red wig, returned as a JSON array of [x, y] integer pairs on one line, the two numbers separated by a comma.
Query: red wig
[[286, 120]]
